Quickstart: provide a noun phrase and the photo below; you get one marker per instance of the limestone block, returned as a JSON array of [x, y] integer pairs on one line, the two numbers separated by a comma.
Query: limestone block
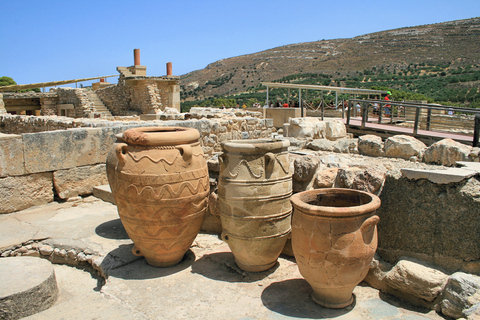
[[370, 179], [306, 128], [320, 145], [446, 152], [22, 192], [304, 171], [413, 278], [64, 149], [79, 181], [305, 168], [377, 272], [335, 130], [461, 295], [405, 147], [346, 146], [326, 178], [12, 162], [371, 145]]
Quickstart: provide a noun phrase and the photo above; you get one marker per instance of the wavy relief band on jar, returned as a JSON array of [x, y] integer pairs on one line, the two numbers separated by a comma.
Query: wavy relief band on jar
[[334, 239]]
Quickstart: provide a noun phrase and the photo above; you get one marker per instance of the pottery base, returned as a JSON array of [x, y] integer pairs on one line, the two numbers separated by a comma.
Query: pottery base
[[163, 264], [255, 268], [326, 299]]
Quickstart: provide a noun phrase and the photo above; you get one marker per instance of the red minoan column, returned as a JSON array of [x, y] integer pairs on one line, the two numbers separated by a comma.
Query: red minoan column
[[136, 57], [169, 68]]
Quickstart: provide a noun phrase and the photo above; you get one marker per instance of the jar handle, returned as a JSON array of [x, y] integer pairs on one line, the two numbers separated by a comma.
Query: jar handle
[[269, 161], [185, 151], [121, 149], [368, 228]]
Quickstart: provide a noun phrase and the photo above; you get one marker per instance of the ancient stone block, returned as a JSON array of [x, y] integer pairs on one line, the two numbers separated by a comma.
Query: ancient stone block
[[306, 128], [370, 179], [64, 149], [326, 178], [461, 295], [371, 145], [437, 220], [446, 152], [22, 192], [346, 146], [79, 181], [320, 145], [335, 130], [12, 162], [405, 147], [416, 279]]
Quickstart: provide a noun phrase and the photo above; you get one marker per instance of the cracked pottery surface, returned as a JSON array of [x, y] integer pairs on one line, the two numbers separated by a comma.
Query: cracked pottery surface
[[254, 188], [161, 187]]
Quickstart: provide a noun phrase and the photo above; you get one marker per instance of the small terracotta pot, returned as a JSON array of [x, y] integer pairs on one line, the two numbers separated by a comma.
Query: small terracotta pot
[[334, 239], [254, 189], [160, 181]]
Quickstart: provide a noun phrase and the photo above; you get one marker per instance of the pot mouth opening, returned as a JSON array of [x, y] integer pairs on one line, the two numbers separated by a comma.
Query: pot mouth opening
[[156, 136], [340, 200], [336, 201], [255, 145]]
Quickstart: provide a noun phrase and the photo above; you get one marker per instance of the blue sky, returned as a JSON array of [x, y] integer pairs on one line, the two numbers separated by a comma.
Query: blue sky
[[59, 40]]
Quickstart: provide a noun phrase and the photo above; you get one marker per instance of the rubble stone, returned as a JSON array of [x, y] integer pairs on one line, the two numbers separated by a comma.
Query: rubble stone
[[447, 152], [371, 145], [413, 278], [405, 147]]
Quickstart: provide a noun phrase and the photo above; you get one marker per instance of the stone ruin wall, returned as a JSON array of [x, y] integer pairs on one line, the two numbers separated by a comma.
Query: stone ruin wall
[[139, 96]]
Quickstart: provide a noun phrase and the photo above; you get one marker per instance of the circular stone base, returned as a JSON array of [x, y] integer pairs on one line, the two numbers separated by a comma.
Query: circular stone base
[[28, 286]]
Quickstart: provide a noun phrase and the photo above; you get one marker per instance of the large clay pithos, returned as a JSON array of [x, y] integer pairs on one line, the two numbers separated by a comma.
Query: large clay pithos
[[161, 186], [334, 239], [254, 188]]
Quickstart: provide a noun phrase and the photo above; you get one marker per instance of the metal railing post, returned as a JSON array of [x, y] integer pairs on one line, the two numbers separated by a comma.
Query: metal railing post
[[476, 130], [417, 118], [348, 112], [429, 118], [364, 114]]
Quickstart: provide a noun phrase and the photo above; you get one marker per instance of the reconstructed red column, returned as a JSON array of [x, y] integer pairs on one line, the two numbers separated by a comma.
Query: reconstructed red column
[[169, 68], [102, 80], [136, 57]]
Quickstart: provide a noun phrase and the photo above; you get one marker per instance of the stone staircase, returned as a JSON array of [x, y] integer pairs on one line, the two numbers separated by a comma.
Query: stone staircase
[[98, 105]]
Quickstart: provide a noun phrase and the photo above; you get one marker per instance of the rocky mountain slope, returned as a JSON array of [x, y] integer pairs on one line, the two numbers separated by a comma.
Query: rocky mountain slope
[[454, 44]]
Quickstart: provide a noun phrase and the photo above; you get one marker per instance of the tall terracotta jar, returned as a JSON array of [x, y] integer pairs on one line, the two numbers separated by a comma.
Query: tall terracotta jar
[[161, 187], [254, 188], [334, 239]]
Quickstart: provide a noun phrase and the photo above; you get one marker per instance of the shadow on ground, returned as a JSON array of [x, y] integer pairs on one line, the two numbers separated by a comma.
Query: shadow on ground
[[221, 266], [292, 298], [112, 229], [121, 263]]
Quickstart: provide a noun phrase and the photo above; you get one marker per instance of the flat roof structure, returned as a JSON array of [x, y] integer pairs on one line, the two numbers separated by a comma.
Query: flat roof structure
[[337, 90], [323, 88], [48, 84]]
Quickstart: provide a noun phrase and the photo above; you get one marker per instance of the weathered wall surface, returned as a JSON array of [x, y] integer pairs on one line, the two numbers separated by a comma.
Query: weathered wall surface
[[430, 219]]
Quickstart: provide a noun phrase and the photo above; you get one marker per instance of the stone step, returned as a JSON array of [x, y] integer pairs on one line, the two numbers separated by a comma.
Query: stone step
[[28, 286], [105, 193]]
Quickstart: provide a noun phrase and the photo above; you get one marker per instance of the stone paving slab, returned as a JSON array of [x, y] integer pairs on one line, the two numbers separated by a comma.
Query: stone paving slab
[[207, 284]]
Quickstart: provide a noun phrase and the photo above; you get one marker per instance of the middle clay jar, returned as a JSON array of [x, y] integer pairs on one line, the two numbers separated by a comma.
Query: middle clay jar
[[254, 188]]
